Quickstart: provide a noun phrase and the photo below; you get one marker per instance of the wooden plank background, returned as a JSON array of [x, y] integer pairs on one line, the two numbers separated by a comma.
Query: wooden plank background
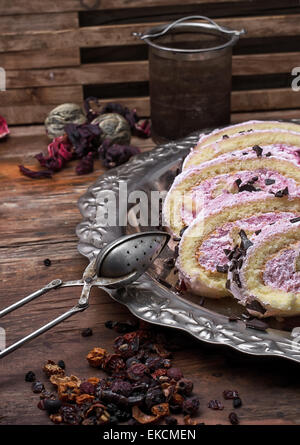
[[69, 49]]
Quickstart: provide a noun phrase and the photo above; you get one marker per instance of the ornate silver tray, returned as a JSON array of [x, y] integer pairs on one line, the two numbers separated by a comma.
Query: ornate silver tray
[[154, 297]]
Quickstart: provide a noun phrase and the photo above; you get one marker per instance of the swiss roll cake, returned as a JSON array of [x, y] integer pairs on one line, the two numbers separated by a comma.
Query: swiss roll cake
[[245, 127], [205, 246], [269, 169], [264, 274], [240, 141]]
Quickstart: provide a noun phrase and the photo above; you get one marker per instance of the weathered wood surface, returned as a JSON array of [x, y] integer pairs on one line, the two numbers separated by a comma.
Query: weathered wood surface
[[38, 220], [111, 35]]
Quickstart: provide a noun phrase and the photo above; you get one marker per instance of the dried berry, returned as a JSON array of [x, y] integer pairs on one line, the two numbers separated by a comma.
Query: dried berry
[[136, 371], [237, 402], [230, 394], [52, 406], [51, 368], [37, 387], [70, 415], [47, 262], [121, 415], [215, 404], [113, 363], [56, 418], [84, 399], [153, 397], [184, 387], [233, 418], [57, 380], [61, 364], [122, 387], [191, 406], [87, 388], [174, 373], [172, 421], [30, 377], [98, 411], [96, 357], [67, 392], [87, 332]]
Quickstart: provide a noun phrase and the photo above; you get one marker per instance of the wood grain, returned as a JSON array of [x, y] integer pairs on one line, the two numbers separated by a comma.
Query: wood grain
[[51, 58], [87, 37], [137, 71], [25, 7], [38, 220], [38, 22]]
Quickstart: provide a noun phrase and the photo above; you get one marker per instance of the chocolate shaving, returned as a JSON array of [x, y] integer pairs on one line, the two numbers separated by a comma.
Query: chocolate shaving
[[256, 324], [245, 242], [227, 285], [258, 150], [294, 220], [236, 279], [268, 154], [282, 193], [256, 306], [222, 269], [269, 181], [257, 232], [225, 136]]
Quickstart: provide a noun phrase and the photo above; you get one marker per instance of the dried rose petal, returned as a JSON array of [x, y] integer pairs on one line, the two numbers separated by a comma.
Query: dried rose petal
[[114, 155], [4, 131]]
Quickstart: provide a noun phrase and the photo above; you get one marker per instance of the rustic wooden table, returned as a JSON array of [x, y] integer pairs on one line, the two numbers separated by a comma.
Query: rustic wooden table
[[38, 220]]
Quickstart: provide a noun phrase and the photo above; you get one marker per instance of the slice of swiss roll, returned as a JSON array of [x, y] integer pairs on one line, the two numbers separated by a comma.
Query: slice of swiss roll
[[205, 246], [245, 127], [264, 274], [240, 141], [269, 169]]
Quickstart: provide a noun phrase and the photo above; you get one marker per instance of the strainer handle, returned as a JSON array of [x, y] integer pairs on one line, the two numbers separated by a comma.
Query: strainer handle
[[191, 17]]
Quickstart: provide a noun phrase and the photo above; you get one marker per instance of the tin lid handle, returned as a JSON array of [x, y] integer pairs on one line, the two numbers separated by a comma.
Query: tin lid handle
[[183, 19]]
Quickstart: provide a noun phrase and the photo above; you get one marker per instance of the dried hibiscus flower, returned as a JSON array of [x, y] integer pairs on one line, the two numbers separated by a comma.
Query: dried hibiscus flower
[[85, 138], [4, 131], [115, 154], [92, 108], [59, 153], [86, 164], [35, 175]]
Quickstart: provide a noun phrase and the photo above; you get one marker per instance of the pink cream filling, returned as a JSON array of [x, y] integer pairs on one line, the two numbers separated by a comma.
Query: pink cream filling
[[280, 272], [204, 192], [211, 252]]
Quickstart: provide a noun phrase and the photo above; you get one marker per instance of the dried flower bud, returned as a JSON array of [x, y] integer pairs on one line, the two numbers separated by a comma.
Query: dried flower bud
[[62, 115]]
